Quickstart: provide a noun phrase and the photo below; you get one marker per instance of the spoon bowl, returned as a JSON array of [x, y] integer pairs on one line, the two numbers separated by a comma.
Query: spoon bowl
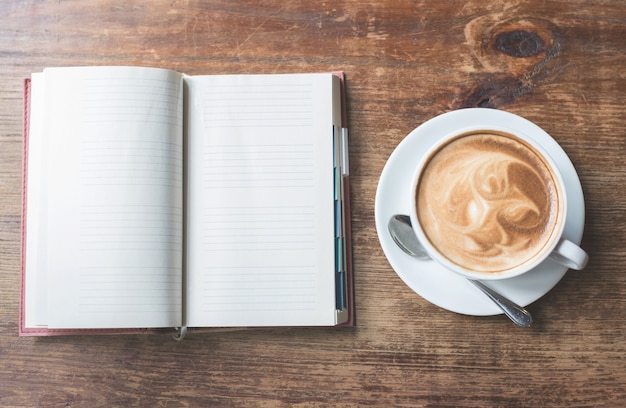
[[403, 235]]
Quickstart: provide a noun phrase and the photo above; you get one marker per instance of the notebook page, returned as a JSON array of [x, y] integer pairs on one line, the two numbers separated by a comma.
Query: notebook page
[[260, 200], [114, 197]]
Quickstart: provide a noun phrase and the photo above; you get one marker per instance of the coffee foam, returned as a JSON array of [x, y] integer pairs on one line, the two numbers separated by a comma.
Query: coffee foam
[[487, 202]]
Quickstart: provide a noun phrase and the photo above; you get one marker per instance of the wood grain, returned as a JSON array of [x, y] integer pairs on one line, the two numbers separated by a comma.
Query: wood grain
[[560, 64]]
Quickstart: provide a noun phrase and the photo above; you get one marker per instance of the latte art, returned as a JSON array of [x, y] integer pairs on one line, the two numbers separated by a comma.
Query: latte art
[[487, 202]]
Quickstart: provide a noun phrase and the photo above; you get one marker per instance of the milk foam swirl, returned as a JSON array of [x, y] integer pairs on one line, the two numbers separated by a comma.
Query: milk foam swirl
[[486, 203]]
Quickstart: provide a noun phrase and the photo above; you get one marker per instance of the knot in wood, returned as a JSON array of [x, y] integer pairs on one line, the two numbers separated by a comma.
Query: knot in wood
[[519, 43]]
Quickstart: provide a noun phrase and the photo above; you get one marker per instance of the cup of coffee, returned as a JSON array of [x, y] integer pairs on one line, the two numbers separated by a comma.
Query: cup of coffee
[[490, 203]]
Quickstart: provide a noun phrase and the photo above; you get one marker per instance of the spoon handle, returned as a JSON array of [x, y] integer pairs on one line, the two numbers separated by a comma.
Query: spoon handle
[[516, 313]]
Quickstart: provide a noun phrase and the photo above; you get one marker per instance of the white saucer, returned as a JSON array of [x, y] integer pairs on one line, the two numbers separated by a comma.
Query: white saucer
[[432, 281]]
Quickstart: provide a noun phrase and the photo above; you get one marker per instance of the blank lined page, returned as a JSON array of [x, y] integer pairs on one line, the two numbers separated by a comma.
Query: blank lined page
[[260, 200], [115, 205]]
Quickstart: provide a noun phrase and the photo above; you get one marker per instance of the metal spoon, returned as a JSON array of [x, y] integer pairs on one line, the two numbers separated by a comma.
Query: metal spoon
[[404, 236]]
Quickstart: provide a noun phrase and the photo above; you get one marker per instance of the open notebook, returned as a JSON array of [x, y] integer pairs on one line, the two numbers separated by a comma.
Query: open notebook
[[158, 200]]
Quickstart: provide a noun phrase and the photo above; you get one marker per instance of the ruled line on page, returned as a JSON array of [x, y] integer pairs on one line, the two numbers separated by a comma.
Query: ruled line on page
[[132, 99], [251, 228], [258, 166], [270, 288], [255, 105]]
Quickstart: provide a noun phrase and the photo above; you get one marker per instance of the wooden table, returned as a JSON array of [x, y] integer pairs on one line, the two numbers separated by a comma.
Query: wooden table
[[561, 64]]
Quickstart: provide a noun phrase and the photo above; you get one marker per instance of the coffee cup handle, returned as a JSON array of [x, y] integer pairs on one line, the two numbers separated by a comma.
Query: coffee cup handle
[[569, 254]]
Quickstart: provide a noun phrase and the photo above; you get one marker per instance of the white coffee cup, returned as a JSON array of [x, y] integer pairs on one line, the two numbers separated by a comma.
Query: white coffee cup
[[490, 203]]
